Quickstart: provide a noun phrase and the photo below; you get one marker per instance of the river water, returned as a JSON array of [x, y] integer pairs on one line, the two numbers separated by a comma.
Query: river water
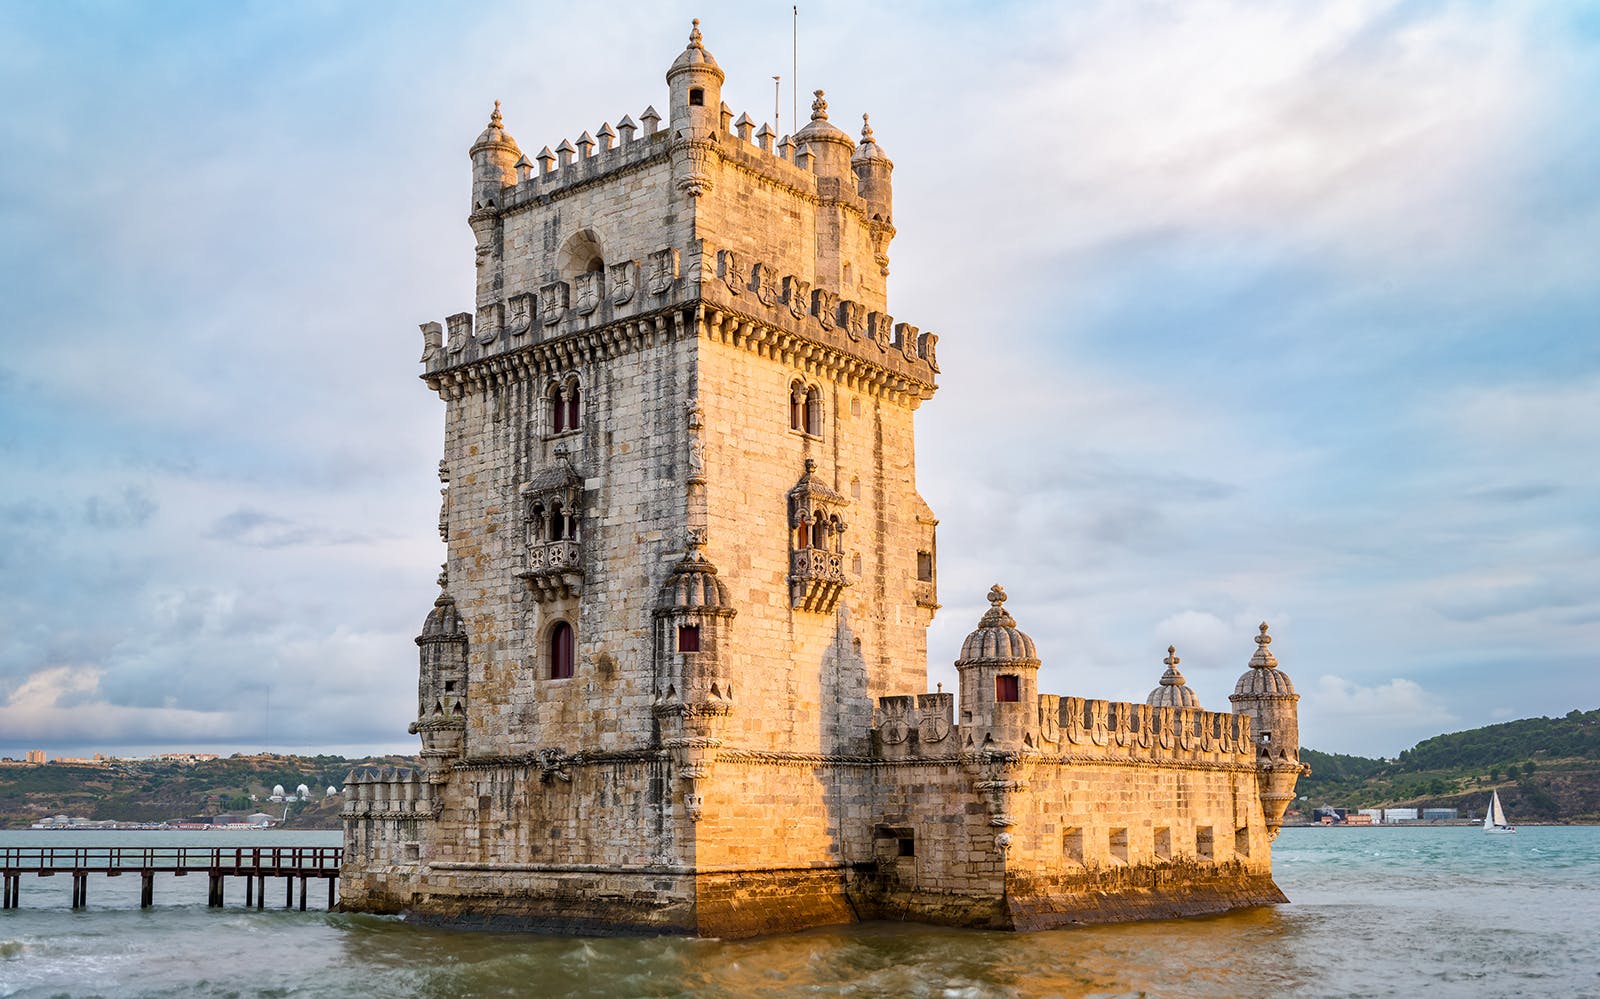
[[1375, 912]]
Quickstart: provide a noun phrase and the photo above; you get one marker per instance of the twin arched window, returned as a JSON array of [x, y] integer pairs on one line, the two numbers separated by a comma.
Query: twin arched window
[[805, 408], [554, 524], [562, 402], [561, 651]]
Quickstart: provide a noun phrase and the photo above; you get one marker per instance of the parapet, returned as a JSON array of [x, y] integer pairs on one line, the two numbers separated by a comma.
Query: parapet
[[388, 793], [1072, 726]]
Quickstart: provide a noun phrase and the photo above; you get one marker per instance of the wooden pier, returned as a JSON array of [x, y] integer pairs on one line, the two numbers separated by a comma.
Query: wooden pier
[[255, 864]]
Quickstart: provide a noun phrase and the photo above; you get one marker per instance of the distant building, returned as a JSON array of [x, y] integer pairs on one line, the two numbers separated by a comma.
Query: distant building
[[1358, 819], [1392, 815], [35, 756], [1374, 815], [1440, 814], [261, 819]]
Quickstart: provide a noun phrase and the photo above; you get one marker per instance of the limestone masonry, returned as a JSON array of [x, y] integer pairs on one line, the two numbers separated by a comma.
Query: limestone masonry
[[674, 681]]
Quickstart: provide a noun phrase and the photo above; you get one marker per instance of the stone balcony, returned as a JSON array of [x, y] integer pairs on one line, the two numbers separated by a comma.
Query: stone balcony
[[553, 569], [816, 579]]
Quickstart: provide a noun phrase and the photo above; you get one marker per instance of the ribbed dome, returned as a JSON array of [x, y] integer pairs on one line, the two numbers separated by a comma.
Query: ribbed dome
[[869, 148], [443, 623], [997, 639], [1173, 692], [695, 56], [694, 585], [1263, 678], [495, 134], [819, 129]]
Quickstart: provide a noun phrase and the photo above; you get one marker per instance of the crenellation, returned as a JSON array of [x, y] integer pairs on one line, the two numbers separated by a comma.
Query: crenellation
[[688, 581]]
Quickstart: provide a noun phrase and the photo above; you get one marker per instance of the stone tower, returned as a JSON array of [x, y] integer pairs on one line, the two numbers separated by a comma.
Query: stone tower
[[676, 676]]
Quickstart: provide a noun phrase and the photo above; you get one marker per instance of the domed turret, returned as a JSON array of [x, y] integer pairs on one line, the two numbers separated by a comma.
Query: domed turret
[[695, 80], [494, 162], [694, 586], [443, 623], [830, 146], [441, 684], [1266, 695], [999, 670], [872, 167], [1172, 692]]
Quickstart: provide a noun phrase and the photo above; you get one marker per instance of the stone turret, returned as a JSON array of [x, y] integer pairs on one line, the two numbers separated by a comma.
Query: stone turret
[[1172, 691], [1265, 693], [494, 162], [694, 694], [999, 671], [872, 168], [695, 80], [441, 686], [830, 147]]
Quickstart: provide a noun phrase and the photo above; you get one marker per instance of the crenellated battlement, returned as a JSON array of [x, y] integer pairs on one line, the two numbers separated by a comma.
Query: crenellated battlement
[[388, 793], [923, 726]]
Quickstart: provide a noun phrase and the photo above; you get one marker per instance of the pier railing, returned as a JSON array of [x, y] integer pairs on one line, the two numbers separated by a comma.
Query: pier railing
[[253, 863]]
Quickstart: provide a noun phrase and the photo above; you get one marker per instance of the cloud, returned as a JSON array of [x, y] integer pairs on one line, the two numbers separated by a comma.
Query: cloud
[[1398, 699], [256, 529], [64, 702]]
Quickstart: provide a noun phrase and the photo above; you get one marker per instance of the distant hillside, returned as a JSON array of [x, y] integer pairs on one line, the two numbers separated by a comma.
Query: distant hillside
[[1546, 769], [160, 790]]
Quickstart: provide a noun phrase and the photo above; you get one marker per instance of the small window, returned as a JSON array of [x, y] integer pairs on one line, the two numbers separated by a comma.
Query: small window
[[1204, 846], [855, 407], [1117, 845], [855, 565], [1241, 841], [1163, 843], [849, 275], [572, 407], [449, 686], [561, 651], [689, 638], [855, 488], [1072, 844], [1006, 688], [558, 410], [925, 566], [797, 406], [907, 845], [697, 98]]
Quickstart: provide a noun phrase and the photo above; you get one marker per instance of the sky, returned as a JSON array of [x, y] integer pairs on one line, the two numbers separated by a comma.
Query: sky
[[1248, 312]]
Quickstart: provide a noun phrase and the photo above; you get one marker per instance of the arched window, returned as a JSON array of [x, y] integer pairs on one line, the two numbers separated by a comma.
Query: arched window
[[813, 411], [797, 406], [536, 524], [819, 534], [561, 651], [558, 409], [572, 403], [803, 535], [836, 529], [558, 522]]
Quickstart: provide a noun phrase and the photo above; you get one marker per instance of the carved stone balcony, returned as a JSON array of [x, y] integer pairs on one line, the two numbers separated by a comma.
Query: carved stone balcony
[[553, 569], [816, 579]]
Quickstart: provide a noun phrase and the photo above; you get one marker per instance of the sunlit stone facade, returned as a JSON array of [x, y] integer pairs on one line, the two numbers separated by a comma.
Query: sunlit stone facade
[[671, 682]]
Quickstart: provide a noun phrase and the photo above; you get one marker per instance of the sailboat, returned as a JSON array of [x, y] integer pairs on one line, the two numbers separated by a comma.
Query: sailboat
[[1494, 820]]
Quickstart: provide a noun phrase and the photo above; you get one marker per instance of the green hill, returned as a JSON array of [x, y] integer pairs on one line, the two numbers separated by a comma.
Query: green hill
[[161, 790], [1546, 770]]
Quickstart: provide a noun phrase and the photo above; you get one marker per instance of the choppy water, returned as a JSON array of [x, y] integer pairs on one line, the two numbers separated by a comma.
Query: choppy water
[[1375, 912]]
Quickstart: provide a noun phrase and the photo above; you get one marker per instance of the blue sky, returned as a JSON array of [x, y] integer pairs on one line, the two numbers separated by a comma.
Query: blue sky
[[1281, 312]]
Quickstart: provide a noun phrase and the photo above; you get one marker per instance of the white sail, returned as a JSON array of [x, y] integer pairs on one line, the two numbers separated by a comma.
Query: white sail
[[1494, 820]]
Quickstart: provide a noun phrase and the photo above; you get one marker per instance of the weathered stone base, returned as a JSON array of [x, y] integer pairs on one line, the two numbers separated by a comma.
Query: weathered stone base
[[739, 904]]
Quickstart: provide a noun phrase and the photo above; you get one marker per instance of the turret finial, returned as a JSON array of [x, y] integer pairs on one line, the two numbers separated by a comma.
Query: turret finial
[[866, 129], [997, 596], [694, 35], [1172, 656], [495, 121], [1263, 659], [819, 107]]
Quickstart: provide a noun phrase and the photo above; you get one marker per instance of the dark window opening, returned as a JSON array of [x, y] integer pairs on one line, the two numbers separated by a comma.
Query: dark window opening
[[907, 846], [1006, 688], [804, 537], [449, 686], [558, 412], [925, 566], [813, 412], [561, 651], [572, 408], [689, 638], [797, 407], [557, 522], [697, 98]]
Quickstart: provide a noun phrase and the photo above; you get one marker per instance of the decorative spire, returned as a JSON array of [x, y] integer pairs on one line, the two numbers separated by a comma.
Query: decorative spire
[[694, 35], [997, 615], [1263, 659], [1172, 678], [866, 129], [495, 121], [819, 107]]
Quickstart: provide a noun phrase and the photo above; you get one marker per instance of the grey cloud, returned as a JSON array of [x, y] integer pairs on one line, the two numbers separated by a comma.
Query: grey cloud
[[255, 529], [132, 509]]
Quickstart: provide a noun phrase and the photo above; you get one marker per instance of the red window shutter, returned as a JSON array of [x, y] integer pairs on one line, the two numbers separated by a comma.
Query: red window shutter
[[561, 651], [1006, 688], [689, 638]]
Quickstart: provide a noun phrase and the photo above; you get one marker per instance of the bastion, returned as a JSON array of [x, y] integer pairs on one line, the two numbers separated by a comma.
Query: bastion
[[675, 680]]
